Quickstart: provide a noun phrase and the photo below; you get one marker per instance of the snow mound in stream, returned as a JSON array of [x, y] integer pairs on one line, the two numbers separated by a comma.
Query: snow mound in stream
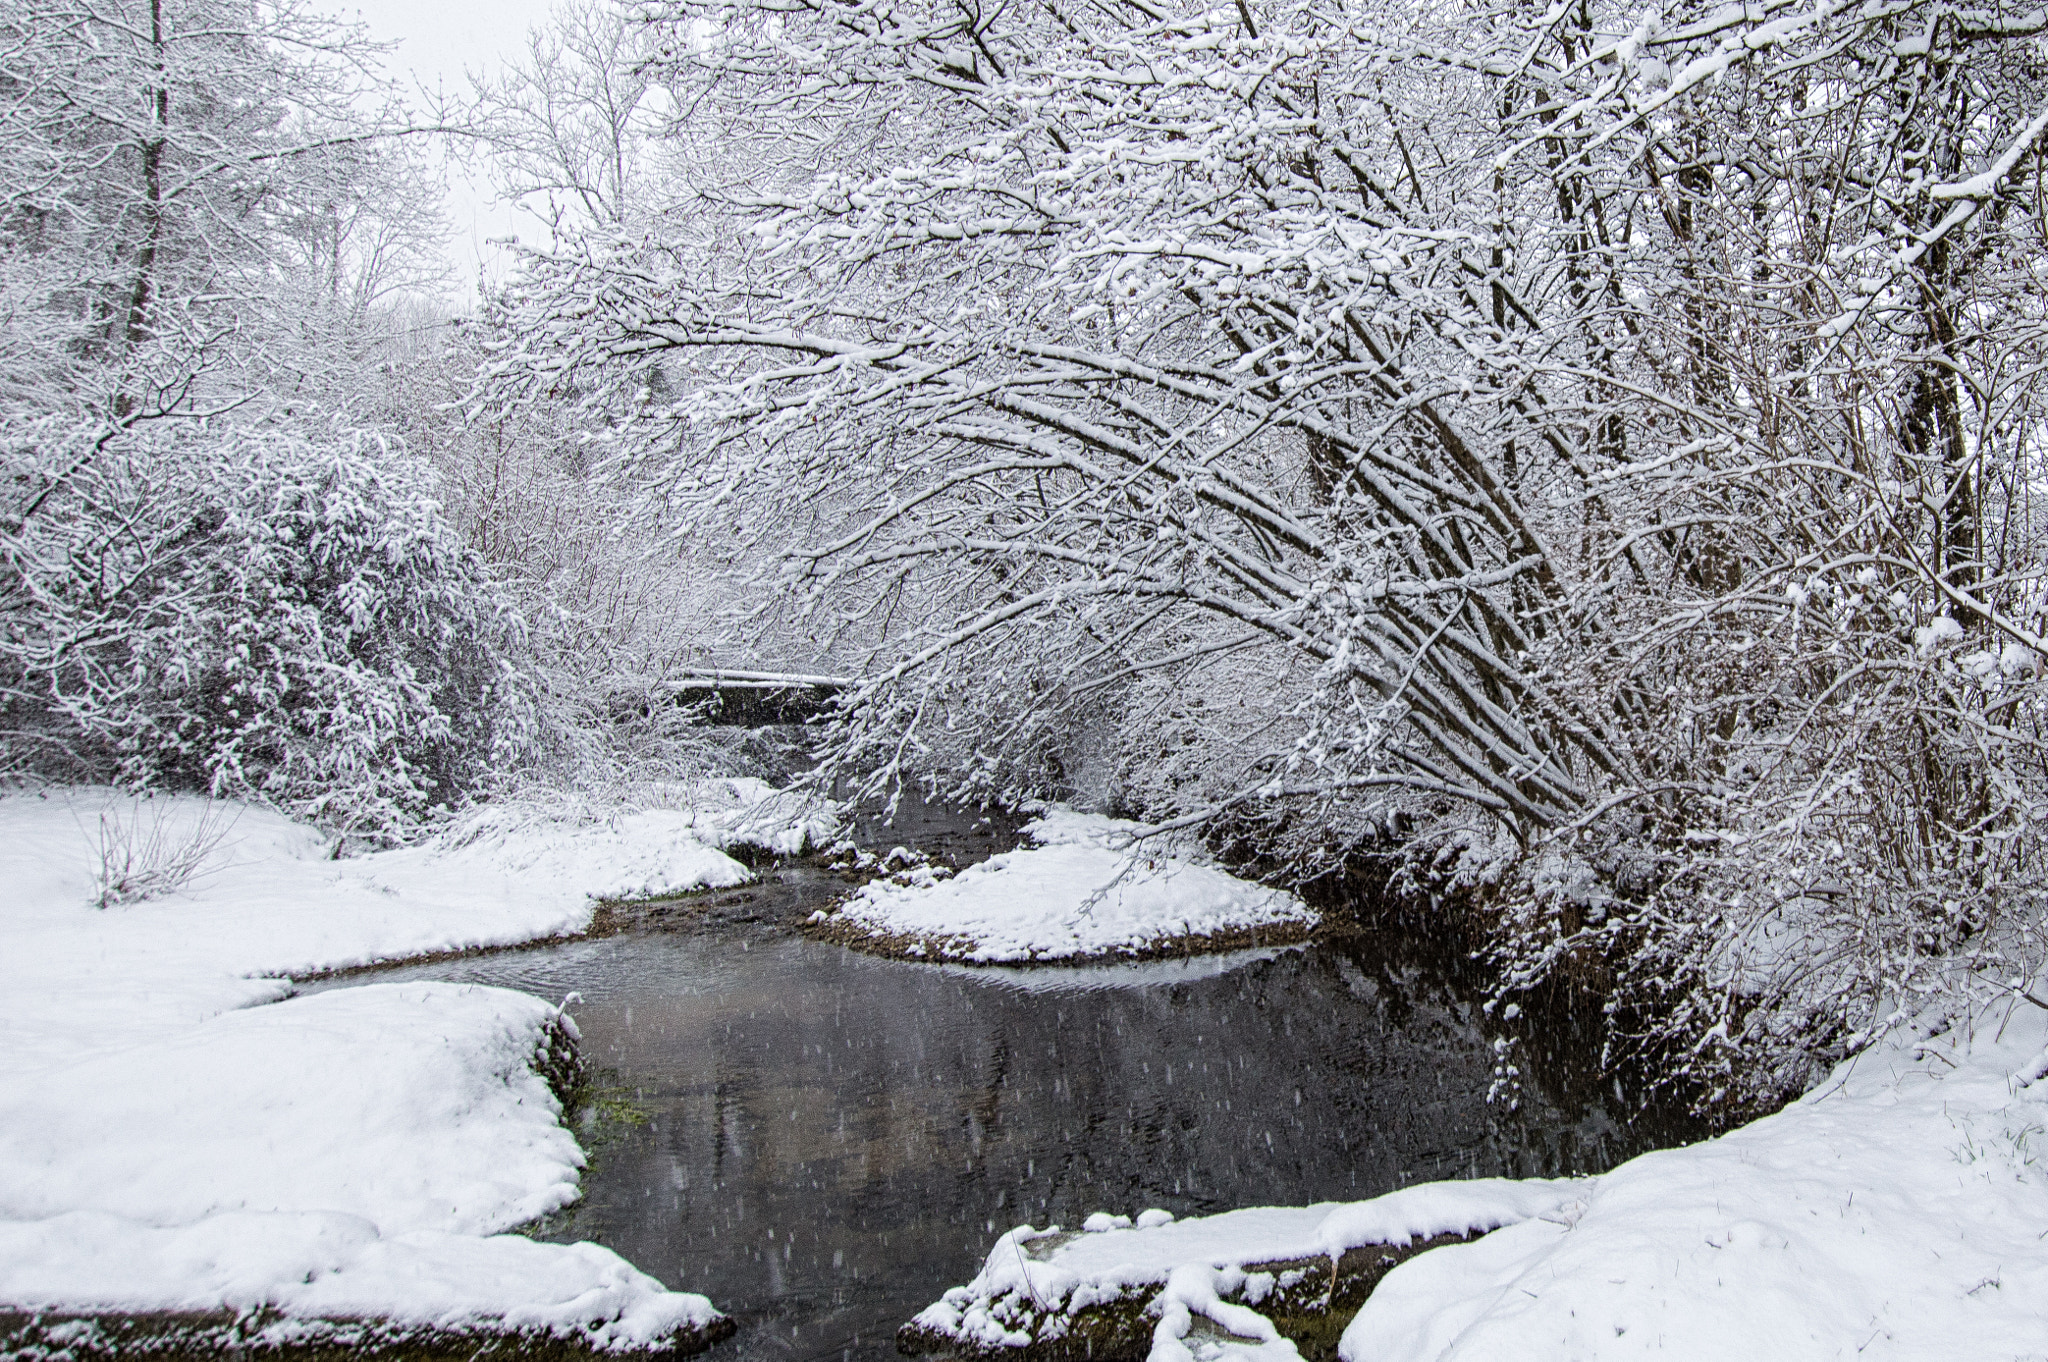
[[1086, 889]]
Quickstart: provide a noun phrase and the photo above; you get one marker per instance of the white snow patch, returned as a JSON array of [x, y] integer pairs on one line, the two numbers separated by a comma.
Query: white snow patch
[[268, 901], [1939, 632], [1194, 1289], [1198, 1262], [1088, 888], [729, 811], [1895, 1213], [165, 1144]]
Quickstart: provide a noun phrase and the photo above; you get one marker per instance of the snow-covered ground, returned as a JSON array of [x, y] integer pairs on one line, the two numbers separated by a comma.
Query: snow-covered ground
[[178, 1133], [1035, 1281], [1899, 1211], [1086, 890]]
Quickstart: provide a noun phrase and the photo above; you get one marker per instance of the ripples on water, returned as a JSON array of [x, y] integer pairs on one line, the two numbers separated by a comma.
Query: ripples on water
[[830, 1140]]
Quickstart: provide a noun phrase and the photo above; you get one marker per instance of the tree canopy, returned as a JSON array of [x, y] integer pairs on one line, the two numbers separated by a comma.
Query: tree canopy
[[1594, 447]]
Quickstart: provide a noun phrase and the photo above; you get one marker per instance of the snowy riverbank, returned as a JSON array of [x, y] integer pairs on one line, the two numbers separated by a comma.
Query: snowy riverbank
[[177, 1133], [1085, 890], [1896, 1212]]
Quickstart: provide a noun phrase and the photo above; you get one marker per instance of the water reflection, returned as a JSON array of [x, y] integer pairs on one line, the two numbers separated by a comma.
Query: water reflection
[[831, 1139]]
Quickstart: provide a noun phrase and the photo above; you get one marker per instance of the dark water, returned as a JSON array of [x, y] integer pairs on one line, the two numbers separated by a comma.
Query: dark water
[[822, 1142]]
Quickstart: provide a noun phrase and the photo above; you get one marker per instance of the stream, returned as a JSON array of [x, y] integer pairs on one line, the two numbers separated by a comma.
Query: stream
[[822, 1142]]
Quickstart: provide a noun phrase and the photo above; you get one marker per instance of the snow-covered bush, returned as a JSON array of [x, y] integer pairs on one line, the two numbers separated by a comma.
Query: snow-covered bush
[[256, 612], [147, 849], [209, 224]]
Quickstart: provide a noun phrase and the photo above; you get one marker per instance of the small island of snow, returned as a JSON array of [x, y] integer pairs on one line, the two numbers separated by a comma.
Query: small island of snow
[[1089, 887]]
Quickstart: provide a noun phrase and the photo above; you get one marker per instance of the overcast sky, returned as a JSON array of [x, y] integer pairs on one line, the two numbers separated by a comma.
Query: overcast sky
[[438, 41]]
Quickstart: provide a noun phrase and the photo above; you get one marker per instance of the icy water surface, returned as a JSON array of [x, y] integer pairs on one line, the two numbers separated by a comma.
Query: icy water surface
[[822, 1142]]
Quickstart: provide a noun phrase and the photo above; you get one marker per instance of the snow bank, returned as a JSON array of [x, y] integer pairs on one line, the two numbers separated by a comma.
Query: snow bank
[[1035, 1283], [166, 1145], [342, 1155], [267, 900], [1086, 890], [1897, 1212], [267, 1109]]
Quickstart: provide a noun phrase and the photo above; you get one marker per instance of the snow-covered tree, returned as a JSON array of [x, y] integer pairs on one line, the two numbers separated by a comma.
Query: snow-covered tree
[[1594, 447], [624, 597], [214, 569], [570, 119]]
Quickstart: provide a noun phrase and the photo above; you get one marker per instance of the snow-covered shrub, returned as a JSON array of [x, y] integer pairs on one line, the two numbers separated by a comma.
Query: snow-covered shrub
[[255, 612], [150, 849]]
